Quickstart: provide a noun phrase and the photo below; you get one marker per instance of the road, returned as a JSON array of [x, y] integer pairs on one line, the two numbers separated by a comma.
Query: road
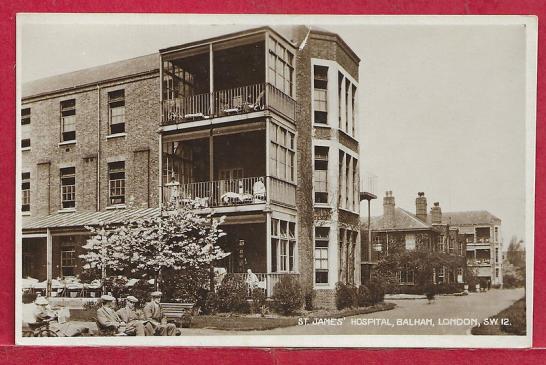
[[410, 317]]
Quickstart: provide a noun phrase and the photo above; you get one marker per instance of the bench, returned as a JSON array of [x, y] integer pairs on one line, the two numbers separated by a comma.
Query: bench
[[175, 312]]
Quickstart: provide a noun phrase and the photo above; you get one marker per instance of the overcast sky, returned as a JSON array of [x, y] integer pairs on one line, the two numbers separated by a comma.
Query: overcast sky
[[442, 107]]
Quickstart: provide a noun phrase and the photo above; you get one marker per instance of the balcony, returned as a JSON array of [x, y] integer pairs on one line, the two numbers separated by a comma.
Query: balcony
[[234, 101], [230, 193]]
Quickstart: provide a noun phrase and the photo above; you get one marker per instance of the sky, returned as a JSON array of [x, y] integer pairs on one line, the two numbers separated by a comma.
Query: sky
[[442, 107]]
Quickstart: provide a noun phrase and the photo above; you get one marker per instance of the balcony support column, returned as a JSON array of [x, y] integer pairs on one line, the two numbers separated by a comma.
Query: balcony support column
[[211, 80]]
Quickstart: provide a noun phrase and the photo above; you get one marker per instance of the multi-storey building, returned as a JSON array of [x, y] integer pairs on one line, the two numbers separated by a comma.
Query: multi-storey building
[[398, 229], [258, 126], [481, 231]]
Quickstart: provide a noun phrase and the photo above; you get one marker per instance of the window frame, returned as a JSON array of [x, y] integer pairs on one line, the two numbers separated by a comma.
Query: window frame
[[321, 255], [72, 260], [68, 113], [70, 188], [112, 170], [116, 100], [25, 192]]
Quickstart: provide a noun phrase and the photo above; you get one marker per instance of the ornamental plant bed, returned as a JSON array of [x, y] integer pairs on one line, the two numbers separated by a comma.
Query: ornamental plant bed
[[254, 322], [516, 316]]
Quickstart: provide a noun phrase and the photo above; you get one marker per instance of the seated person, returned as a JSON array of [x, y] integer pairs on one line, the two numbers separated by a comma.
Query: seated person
[[258, 189], [154, 314], [109, 319], [135, 326], [42, 312]]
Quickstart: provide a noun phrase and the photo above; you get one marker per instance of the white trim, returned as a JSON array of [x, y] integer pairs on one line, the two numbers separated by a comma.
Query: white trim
[[66, 143], [25, 214], [23, 149], [116, 206], [66, 210], [116, 135]]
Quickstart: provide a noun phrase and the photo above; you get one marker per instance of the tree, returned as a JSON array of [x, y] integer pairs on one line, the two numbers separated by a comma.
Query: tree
[[175, 239]]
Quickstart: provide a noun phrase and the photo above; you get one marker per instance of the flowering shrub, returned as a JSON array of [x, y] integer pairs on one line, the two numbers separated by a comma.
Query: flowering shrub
[[232, 295], [288, 295]]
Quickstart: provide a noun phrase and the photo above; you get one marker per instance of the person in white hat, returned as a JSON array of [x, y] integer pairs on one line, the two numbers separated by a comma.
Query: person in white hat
[[154, 314], [108, 318], [135, 325]]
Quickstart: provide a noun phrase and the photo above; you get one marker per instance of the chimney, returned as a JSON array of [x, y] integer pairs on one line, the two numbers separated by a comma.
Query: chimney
[[388, 209], [436, 213], [421, 207]]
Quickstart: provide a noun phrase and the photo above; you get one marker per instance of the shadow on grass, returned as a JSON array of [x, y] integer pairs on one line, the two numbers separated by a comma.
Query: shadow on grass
[[511, 321]]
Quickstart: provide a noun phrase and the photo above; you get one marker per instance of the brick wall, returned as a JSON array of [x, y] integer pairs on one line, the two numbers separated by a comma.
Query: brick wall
[[325, 298], [139, 148]]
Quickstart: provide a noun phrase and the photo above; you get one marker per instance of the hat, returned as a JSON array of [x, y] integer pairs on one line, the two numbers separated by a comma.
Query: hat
[[156, 294], [41, 301], [107, 298], [131, 299]]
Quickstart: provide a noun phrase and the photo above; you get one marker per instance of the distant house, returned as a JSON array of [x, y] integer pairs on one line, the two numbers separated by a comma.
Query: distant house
[[481, 232], [399, 229]]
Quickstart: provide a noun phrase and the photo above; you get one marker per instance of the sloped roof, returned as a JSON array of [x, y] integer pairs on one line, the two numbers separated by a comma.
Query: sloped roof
[[468, 217], [403, 220], [91, 75], [82, 219]]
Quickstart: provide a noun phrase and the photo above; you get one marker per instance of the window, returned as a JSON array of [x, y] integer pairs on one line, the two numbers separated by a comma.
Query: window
[[68, 187], [496, 234], [460, 275], [441, 275], [410, 241], [441, 243], [321, 174], [320, 94], [25, 191], [321, 254], [68, 261], [483, 234], [68, 120], [406, 276], [497, 272], [25, 116], [116, 111], [281, 153], [281, 69], [25, 143], [116, 181], [353, 109], [496, 255], [283, 245]]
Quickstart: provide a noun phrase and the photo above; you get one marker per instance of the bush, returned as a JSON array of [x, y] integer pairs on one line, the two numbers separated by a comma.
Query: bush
[[449, 288], [258, 300], [309, 299], [288, 295], [232, 295], [430, 291], [363, 296], [346, 296], [377, 291]]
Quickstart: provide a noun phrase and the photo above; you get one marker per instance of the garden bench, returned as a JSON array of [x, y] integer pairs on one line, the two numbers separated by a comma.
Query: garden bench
[[175, 311]]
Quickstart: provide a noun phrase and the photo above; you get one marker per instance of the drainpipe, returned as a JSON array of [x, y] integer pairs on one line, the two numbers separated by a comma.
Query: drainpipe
[[98, 148]]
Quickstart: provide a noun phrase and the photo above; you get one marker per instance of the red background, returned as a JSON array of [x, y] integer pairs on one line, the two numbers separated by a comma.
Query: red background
[[11, 354]]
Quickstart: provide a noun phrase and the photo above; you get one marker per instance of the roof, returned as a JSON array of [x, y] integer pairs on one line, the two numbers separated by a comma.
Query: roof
[[91, 75], [82, 219], [403, 220], [469, 217]]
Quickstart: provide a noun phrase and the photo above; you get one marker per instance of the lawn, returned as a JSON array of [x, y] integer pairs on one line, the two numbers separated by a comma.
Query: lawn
[[516, 316], [249, 322]]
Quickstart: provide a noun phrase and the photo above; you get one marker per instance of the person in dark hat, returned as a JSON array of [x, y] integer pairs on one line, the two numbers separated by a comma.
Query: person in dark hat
[[135, 325], [154, 314], [108, 318]]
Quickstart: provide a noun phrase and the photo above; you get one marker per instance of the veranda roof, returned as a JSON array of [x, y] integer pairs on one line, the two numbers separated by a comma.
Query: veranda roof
[[82, 219]]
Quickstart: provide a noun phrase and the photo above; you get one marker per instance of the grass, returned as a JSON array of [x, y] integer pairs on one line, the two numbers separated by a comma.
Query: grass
[[516, 316], [256, 323]]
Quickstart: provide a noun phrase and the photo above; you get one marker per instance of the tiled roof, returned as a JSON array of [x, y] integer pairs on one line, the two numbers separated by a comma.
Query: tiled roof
[[403, 220], [469, 217], [82, 219], [92, 75]]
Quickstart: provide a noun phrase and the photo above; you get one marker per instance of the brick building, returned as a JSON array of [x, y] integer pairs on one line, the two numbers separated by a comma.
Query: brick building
[[259, 126], [398, 229]]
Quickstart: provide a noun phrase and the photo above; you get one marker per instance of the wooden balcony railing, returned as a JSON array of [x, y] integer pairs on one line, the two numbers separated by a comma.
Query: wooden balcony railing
[[239, 100], [266, 281], [222, 193]]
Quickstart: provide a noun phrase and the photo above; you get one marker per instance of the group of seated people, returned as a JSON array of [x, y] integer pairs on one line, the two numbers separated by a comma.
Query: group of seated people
[[127, 322]]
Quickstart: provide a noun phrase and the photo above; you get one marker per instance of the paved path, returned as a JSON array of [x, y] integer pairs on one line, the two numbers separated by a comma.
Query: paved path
[[420, 317]]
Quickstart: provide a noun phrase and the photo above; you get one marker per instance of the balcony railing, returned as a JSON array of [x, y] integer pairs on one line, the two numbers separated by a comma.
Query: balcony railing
[[266, 281], [223, 193], [239, 100], [478, 262]]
